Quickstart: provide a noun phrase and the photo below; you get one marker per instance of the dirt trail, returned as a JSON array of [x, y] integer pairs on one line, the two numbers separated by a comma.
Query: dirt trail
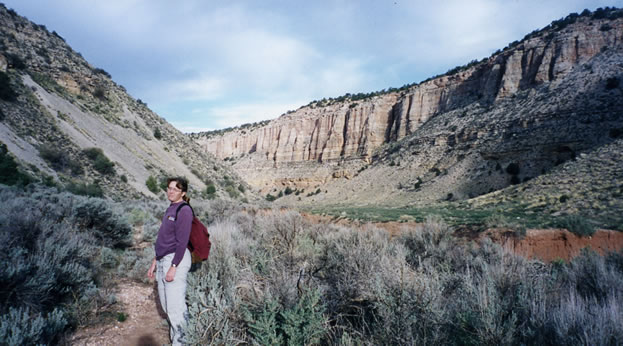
[[145, 323]]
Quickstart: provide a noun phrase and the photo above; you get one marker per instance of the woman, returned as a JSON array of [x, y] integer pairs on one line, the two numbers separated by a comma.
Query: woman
[[173, 259]]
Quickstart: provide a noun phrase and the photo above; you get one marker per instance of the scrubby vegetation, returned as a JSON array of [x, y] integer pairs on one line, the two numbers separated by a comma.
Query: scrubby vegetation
[[6, 90], [157, 133], [86, 189], [49, 245], [275, 279], [60, 160], [101, 163], [242, 128], [152, 184], [10, 173]]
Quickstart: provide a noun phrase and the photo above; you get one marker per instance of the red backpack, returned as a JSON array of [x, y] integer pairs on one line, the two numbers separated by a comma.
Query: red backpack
[[199, 242]]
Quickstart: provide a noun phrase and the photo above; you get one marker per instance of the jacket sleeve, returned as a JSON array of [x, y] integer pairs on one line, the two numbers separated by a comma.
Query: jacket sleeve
[[183, 224]]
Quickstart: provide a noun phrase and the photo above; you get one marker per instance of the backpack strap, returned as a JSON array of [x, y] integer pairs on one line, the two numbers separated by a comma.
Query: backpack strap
[[180, 207]]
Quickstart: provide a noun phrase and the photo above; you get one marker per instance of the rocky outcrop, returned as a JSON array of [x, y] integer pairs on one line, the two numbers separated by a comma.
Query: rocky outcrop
[[63, 105], [354, 129]]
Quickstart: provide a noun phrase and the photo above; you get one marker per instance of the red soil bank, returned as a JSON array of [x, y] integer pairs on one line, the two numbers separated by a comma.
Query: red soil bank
[[551, 244]]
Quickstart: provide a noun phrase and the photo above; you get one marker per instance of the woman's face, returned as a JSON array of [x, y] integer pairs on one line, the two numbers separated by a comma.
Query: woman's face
[[174, 194]]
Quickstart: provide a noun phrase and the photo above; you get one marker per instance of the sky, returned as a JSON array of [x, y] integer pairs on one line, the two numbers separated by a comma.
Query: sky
[[207, 64]]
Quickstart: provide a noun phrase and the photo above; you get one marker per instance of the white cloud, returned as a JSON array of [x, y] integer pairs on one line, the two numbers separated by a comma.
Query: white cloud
[[229, 116], [264, 58], [190, 127], [199, 88]]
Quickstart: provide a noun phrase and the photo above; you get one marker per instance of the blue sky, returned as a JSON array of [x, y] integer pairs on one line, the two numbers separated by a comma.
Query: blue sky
[[206, 65]]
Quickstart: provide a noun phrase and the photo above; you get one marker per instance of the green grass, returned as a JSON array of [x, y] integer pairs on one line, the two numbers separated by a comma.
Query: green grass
[[453, 214]]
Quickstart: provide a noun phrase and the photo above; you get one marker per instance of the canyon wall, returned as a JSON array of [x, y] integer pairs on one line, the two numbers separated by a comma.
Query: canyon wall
[[354, 129]]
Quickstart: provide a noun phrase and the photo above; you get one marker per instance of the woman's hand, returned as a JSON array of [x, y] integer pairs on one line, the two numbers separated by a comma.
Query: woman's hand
[[170, 274], [152, 269]]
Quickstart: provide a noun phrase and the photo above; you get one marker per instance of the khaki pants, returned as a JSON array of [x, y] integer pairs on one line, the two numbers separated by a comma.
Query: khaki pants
[[173, 294]]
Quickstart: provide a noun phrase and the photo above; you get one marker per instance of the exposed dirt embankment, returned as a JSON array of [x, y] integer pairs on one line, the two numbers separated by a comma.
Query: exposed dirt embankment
[[551, 244], [544, 244]]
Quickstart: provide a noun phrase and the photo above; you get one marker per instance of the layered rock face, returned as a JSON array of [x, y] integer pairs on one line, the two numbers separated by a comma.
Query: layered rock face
[[353, 129], [533, 106], [313, 134]]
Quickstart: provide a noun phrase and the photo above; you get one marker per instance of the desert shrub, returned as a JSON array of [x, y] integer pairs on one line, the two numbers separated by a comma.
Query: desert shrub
[[157, 133], [137, 216], [273, 278], [615, 133], [612, 82], [591, 276], [16, 62], [102, 72], [27, 280], [409, 310], [22, 327], [86, 189], [615, 260], [108, 258], [512, 168], [417, 184], [575, 320], [100, 92], [605, 27], [216, 210], [210, 189], [232, 191], [133, 264], [48, 270], [101, 163], [263, 324], [97, 216], [54, 156], [211, 312], [576, 224], [152, 184], [302, 324], [427, 244], [10, 174], [59, 160], [212, 292], [490, 306], [6, 90], [356, 265], [75, 167]]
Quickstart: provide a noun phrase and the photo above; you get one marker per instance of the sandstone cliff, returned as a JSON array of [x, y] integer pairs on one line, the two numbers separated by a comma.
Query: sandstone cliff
[[535, 104], [354, 129]]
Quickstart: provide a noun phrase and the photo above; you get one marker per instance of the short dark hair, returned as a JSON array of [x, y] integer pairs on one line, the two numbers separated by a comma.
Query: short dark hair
[[180, 183]]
